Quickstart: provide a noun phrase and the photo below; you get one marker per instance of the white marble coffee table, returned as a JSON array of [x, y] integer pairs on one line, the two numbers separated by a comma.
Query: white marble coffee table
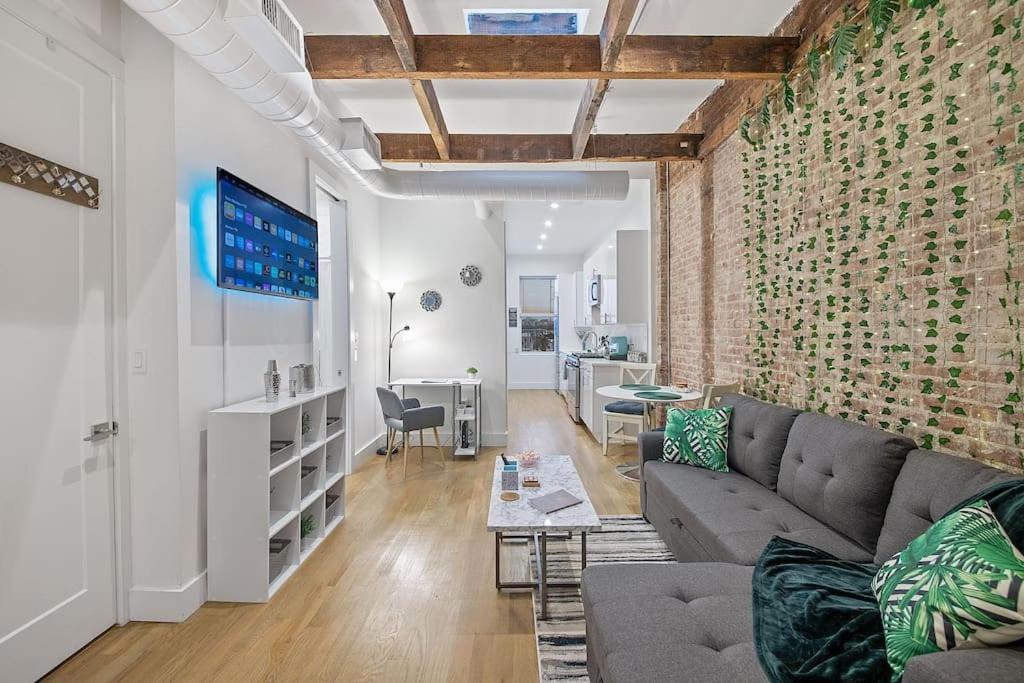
[[520, 518]]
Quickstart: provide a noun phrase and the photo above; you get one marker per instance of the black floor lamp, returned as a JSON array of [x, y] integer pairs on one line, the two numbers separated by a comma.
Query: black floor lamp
[[391, 288]]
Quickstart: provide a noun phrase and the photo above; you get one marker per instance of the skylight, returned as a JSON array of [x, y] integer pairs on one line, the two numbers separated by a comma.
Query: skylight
[[515, 22]]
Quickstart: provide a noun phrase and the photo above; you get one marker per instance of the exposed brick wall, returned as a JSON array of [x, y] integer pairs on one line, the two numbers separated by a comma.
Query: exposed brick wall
[[729, 322], [863, 261], [686, 286]]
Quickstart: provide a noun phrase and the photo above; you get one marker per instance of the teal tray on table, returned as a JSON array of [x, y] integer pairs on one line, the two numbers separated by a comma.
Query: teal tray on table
[[639, 387]]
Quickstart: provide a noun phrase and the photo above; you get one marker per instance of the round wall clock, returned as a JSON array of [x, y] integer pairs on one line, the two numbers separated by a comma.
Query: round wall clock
[[430, 300], [470, 276]]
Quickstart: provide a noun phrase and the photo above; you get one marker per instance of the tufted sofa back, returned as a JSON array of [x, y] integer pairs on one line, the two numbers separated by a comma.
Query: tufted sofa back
[[842, 474], [757, 437], [930, 485]]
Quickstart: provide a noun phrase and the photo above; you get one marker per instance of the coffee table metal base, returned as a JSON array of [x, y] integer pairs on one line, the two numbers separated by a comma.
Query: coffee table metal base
[[542, 583]]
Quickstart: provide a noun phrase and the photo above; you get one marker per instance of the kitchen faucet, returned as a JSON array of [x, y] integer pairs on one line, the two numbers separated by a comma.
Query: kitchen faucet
[[587, 336]]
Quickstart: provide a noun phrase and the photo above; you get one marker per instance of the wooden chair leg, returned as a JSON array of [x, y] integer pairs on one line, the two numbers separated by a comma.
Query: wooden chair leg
[[405, 455], [390, 446], [437, 443], [421, 446]]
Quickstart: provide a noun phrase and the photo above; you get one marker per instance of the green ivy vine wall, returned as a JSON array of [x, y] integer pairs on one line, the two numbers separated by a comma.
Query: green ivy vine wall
[[882, 186]]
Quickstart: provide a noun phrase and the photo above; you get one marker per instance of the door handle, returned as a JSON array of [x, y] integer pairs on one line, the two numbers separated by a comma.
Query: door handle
[[101, 431]]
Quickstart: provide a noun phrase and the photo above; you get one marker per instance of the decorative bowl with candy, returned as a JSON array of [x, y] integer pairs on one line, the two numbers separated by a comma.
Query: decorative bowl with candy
[[527, 459]]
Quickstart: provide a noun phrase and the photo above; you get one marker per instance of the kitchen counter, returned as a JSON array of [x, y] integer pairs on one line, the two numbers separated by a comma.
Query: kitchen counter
[[601, 362]]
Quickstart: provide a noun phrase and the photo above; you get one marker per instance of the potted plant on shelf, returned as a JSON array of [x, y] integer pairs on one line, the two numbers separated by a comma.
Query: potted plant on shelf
[[307, 425], [471, 372], [307, 527]]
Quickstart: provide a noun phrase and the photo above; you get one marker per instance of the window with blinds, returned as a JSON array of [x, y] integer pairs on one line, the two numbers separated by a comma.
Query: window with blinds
[[538, 317]]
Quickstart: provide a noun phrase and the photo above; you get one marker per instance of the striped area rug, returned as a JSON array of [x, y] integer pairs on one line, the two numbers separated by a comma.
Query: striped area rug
[[561, 638]]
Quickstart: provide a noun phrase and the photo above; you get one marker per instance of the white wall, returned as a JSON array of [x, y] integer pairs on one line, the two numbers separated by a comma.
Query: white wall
[[207, 346], [425, 244], [532, 370]]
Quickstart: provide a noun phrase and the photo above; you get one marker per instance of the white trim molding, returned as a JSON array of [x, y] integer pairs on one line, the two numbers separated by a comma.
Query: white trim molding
[[173, 605], [366, 453]]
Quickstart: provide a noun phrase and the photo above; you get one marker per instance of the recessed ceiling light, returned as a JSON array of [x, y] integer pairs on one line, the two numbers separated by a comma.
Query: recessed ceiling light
[[540, 247], [611, 246], [543, 236], [548, 224], [554, 205]]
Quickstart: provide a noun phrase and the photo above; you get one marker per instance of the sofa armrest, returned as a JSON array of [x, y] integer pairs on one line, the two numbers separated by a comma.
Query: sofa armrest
[[650, 446], [991, 664]]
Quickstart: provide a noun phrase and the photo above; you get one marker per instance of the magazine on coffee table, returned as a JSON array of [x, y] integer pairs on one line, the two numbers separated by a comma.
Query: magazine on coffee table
[[555, 501]]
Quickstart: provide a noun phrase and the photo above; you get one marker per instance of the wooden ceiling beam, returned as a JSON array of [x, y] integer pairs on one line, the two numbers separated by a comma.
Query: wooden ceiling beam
[[488, 148], [396, 19], [617, 18], [426, 97], [552, 57]]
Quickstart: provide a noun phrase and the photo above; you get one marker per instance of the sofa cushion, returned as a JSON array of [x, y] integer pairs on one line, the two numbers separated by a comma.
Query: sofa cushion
[[842, 474], [650, 622], [732, 518], [757, 437], [992, 665], [930, 485]]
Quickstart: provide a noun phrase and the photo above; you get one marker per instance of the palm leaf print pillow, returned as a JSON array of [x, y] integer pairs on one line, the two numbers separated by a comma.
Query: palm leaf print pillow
[[959, 584], [698, 437]]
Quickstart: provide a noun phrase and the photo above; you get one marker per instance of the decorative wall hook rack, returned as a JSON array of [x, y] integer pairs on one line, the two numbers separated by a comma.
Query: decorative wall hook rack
[[32, 172]]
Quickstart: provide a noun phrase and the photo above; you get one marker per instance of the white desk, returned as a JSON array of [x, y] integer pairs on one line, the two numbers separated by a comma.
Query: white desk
[[472, 416]]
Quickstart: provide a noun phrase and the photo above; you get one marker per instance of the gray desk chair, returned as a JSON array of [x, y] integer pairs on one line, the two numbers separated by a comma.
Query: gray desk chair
[[409, 416]]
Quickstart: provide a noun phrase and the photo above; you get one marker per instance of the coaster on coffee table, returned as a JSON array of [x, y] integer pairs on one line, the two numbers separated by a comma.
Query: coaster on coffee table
[[509, 496]]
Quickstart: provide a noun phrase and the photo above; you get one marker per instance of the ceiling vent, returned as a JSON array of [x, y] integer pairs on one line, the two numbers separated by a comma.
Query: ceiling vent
[[360, 146], [271, 30]]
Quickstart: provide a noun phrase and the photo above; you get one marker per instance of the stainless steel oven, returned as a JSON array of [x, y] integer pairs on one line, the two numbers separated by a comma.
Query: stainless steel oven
[[572, 374]]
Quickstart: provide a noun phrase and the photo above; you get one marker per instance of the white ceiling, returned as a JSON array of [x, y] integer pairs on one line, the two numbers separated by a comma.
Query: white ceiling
[[577, 228], [532, 106]]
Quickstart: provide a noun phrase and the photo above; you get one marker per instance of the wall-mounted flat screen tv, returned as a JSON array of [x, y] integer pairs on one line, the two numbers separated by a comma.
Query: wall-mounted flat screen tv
[[264, 245]]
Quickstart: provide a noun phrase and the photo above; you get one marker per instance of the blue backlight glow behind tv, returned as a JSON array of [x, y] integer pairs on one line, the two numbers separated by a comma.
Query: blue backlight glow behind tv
[[263, 245]]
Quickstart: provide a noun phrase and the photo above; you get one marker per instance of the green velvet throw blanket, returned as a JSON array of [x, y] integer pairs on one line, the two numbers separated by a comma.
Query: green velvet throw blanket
[[815, 617]]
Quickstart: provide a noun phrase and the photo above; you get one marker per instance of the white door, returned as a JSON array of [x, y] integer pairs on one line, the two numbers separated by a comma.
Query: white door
[[331, 338], [56, 490]]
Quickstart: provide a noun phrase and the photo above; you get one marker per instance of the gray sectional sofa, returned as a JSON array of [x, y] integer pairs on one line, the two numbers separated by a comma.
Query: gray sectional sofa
[[858, 493]]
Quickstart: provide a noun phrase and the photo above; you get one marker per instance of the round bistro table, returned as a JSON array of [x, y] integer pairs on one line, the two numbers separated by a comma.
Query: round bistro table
[[618, 393]]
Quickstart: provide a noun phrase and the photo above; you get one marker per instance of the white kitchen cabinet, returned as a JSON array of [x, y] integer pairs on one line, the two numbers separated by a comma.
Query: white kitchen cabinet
[[587, 395], [594, 374], [581, 281], [608, 311]]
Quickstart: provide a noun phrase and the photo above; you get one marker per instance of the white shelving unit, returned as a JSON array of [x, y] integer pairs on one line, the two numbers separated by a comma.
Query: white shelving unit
[[470, 417], [265, 474]]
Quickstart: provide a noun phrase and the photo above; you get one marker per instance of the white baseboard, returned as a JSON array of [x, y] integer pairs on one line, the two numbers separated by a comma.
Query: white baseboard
[[148, 603], [517, 386], [367, 452], [495, 439]]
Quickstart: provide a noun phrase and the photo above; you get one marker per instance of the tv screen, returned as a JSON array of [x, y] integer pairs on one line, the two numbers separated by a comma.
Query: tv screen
[[263, 245]]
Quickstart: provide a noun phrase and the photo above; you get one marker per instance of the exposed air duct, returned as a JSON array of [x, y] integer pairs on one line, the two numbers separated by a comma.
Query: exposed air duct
[[199, 29]]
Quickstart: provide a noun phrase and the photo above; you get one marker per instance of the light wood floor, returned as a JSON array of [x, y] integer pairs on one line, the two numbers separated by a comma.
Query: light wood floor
[[403, 591]]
